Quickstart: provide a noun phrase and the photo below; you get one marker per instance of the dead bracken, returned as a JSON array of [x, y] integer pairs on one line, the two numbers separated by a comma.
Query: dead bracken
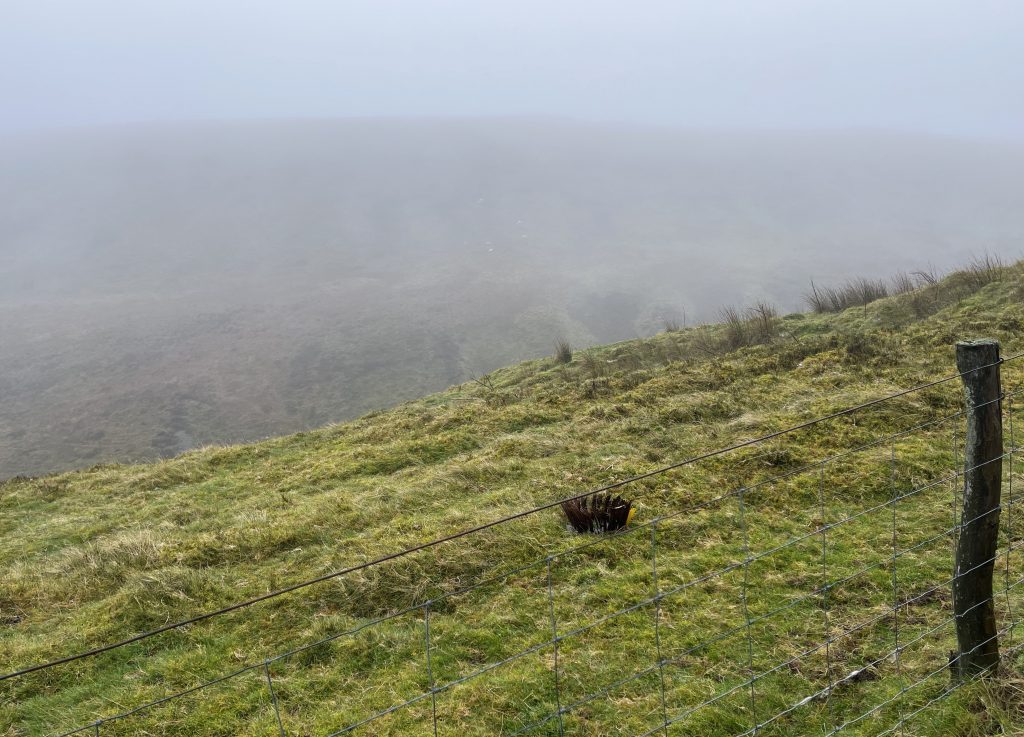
[[598, 513]]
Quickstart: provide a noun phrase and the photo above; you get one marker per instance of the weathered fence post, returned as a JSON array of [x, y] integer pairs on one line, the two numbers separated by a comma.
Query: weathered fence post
[[973, 606]]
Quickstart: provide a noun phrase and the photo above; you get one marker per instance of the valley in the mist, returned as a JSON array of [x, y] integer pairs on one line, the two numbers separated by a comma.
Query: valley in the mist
[[171, 286]]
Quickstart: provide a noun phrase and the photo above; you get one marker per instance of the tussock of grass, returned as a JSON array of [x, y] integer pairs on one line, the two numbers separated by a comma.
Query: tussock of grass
[[95, 556], [563, 351]]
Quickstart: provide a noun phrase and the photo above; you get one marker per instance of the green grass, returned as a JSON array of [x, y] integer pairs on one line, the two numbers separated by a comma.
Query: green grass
[[95, 556]]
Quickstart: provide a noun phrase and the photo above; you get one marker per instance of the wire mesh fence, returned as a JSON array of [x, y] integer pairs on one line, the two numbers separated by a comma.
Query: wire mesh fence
[[763, 593]]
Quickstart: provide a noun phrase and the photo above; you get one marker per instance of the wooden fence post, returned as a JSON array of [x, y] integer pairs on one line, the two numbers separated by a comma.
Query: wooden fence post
[[973, 606]]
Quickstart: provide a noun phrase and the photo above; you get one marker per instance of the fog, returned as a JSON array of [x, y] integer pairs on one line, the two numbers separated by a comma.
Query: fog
[[949, 66], [168, 286], [223, 220]]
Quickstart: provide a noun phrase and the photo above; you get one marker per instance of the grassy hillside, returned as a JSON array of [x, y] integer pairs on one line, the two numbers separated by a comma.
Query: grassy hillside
[[94, 556], [168, 287]]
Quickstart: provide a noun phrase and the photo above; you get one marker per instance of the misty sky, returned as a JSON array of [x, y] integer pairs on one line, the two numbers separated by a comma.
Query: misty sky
[[925, 65]]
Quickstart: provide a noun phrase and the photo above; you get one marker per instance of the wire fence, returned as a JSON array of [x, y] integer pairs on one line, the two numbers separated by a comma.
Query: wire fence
[[814, 596]]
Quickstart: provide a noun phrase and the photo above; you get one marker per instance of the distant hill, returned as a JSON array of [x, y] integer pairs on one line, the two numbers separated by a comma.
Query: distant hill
[[171, 286]]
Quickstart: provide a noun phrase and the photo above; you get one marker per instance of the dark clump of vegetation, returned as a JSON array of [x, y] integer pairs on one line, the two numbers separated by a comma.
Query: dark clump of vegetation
[[927, 291], [763, 323], [983, 270], [854, 293], [563, 351], [736, 334], [755, 325], [598, 513], [673, 321]]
